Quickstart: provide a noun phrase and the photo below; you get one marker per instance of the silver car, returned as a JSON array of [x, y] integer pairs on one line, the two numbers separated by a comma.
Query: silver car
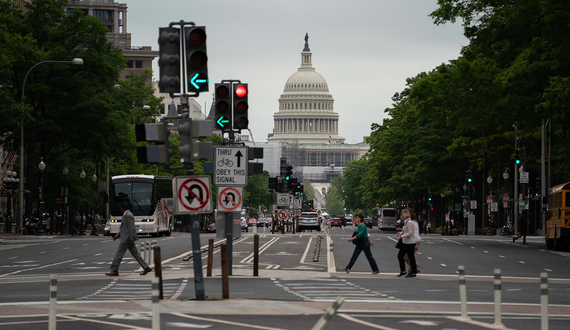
[[309, 220]]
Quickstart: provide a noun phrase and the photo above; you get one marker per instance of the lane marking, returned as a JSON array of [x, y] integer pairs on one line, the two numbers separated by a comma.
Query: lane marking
[[306, 251], [444, 265], [446, 239], [473, 322], [265, 246], [102, 322], [25, 270], [252, 326], [375, 326]]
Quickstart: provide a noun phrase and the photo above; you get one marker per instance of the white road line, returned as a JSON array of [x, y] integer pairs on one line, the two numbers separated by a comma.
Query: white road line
[[485, 251], [350, 318], [98, 254], [548, 270], [444, 265], [251, 326], [306, 250], [186, 253], [446, 239], [263, 248], [522, 262], [25, 270], [430, 258], [102, 322], [501, 256], [470, 321]]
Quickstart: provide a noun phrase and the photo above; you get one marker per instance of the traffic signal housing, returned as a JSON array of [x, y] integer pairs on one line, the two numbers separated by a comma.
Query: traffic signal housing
[[169, 60], [158, 133], [517, 156], [469, 176], [240, 106], [273, 183], [222, 107], [288, 172], [196, 59], [185, 133]]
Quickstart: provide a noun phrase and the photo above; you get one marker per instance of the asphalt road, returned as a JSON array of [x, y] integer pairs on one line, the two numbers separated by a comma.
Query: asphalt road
[[290, 274]]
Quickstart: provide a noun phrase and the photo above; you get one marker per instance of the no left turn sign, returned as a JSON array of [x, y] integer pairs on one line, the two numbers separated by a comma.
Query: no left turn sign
[[283, 214]]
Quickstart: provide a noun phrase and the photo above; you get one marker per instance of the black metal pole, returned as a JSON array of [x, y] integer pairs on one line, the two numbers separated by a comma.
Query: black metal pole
[[197, 257], [229, 238], [40, 230], [64, 212]]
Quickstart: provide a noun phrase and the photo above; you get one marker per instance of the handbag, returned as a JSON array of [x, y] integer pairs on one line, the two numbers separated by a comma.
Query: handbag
[[399, 245], [357, 240]]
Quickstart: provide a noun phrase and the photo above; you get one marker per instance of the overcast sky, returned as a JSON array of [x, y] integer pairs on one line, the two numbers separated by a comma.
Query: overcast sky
[[365, 49]]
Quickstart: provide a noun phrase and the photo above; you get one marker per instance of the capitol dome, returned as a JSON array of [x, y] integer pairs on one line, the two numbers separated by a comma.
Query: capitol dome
[[306, 108]]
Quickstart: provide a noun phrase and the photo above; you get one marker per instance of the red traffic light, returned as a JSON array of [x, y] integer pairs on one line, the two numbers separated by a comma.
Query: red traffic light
[[241, 91]]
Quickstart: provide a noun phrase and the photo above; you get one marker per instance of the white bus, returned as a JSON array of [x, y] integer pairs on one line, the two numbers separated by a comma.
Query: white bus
[[151, 203], [387, 218]]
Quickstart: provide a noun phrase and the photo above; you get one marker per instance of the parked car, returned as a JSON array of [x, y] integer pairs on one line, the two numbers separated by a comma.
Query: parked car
[[368, 222], [211, 228], [251, 222], [244, 226], [100, 226], [336, 222]]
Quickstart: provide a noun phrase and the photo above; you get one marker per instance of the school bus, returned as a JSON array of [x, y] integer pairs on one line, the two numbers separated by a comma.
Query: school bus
[[558, 223]]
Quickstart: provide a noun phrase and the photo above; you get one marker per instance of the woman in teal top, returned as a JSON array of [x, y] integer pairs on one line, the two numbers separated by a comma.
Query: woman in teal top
[[362, 244]]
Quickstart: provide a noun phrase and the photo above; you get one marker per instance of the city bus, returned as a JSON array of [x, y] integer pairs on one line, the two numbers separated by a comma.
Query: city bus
[[558, 223], [387, 218], [151, 203]]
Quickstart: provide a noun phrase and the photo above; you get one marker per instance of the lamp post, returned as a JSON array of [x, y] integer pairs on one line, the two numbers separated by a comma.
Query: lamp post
[[506, 177], [63, 229], [93, 229], [467, 206], [443, 226], [10, 182], [40, 231], [489, 181], [81, 215], [19, 223]]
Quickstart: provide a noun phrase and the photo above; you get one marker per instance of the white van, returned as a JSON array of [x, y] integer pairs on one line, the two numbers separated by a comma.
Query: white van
[[387, 218]]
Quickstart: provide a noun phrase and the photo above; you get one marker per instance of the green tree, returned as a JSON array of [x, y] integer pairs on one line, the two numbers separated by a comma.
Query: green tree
[[334, 201], [308, 189], [257, 192]]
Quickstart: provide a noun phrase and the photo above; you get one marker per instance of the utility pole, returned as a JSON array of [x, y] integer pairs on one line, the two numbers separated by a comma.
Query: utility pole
[[516, 182]]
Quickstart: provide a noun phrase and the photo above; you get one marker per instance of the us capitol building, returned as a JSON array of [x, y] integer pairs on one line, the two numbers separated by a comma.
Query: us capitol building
[[306, 128]]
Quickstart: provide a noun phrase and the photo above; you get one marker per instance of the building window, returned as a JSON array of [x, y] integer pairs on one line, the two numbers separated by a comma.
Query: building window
[[309, 105], [296, 106], [122, 42], [130, 64], [103, 15], [138, 64]]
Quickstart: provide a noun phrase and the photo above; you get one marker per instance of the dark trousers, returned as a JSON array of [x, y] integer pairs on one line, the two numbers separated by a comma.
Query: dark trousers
[[364, 245], [409, 250]]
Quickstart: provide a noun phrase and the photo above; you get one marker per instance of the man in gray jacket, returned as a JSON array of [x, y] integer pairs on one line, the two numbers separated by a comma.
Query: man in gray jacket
[[128, 236]]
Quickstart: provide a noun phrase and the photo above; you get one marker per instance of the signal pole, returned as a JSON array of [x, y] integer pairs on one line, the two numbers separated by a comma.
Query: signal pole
[[516, 181]]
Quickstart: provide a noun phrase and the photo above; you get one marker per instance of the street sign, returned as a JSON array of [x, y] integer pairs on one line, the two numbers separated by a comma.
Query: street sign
[[192, 194], [524, 177], [489, 199], [230, 166], [473, 205], [282, 200], [282, 214], [230, 199], [505, 197], [297, 212], [457, 206], [297, 203], [494, 207]]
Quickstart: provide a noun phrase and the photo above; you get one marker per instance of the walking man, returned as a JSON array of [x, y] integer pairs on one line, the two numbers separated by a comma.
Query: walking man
[[128, 236]]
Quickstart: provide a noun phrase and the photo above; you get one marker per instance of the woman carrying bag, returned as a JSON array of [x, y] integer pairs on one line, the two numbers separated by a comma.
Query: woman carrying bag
[[408, 245], [362, 243]]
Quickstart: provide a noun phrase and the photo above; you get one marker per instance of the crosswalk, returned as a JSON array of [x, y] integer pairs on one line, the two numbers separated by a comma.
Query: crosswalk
[[328, 289], [119, 289]]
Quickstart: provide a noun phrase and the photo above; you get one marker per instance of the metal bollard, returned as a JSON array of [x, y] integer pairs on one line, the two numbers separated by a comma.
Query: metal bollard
[[498, 323], [544, 301], [52, 321], [210, 257], [329, 313], [147, 252], [155, 305], [225, 272], [158, 270], [255, 255], [151, 252], [462, 292]]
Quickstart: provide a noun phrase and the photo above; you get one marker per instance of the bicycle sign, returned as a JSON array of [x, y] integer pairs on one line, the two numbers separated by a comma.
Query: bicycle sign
[[230, 166]]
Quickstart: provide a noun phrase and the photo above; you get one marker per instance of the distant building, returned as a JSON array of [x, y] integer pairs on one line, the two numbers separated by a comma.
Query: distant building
[[306, 128], [113, 15]]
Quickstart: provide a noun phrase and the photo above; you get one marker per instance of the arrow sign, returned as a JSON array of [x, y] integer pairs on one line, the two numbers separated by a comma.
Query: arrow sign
[[195, 81], [230, 199], [221, 121], [239, 155], [191, 195]]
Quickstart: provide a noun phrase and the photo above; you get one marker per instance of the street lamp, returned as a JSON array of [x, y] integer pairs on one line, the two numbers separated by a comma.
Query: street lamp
[[19, 223], [442, 214], [10, 182], [93, 229], [63, 229], [489, 181], [42, 167], [82, 175]]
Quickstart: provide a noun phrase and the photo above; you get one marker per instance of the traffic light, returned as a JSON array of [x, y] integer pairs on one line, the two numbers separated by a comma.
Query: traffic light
[[153, 154], [240, 106], [273, 183], [222, 107], [429, 197], [169, 60], [185, 132], [288, 172], [301, 190], [283, 166], [517, 156], [469, 176], [196, 58]]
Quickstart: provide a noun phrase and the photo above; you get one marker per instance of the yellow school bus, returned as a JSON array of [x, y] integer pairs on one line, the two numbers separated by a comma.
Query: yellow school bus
[[558, 224]]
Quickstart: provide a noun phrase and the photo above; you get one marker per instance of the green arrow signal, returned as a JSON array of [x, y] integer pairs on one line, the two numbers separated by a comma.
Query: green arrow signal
[[195, 81], [221, 121]]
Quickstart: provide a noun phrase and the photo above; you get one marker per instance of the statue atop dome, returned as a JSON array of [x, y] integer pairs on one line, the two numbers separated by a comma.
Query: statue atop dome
[[306, 49]]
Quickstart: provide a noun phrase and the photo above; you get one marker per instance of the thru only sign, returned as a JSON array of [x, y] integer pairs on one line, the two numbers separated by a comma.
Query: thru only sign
[[230, 166]]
